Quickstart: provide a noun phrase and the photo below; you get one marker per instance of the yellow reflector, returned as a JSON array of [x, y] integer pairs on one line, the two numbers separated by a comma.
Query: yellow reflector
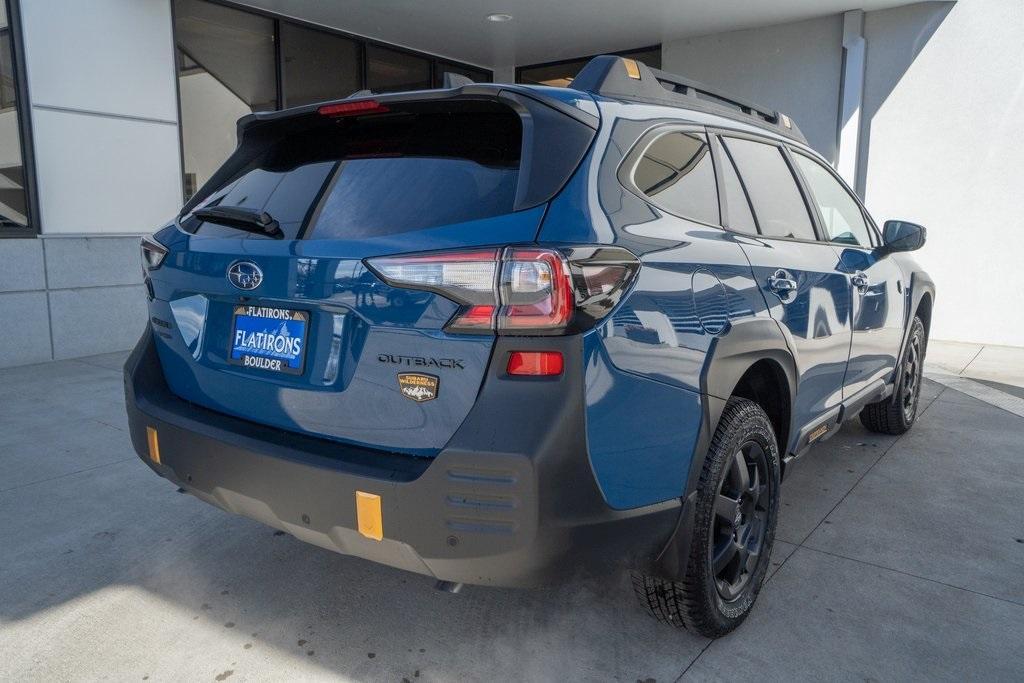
[[632, 69], [368, 515], [154, 445]]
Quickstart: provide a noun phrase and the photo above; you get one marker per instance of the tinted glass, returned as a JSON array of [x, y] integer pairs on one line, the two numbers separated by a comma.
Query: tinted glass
[[13, 197], [840, 214], [288, 196], [226, 69], [737, 205], [441, 169], [773, 191], [393, 71], [360, 177], [676, 172], [318, 66]]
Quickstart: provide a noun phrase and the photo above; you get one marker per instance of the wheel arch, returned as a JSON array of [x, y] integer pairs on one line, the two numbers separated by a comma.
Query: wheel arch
[[750, 351]]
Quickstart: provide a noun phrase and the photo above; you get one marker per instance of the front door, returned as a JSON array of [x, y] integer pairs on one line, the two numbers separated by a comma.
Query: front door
[[877, 297]]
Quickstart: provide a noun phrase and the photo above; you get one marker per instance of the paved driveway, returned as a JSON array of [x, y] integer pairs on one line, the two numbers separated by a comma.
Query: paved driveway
[[898, 559]]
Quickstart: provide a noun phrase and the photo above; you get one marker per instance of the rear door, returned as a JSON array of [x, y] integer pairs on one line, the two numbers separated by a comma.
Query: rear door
[[877, 297], [800, 277], [295, 331]]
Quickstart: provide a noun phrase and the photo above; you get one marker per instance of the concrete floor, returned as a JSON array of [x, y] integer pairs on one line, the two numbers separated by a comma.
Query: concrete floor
[[897, 559]]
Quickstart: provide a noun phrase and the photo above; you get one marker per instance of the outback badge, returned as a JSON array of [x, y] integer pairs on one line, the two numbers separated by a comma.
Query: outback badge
[[418, 387]]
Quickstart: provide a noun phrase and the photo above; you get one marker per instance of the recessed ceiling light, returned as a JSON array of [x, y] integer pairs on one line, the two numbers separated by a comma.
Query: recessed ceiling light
[[499, 17]]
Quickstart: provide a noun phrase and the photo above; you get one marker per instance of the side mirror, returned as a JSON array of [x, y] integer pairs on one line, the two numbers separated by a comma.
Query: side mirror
[[902, 236]]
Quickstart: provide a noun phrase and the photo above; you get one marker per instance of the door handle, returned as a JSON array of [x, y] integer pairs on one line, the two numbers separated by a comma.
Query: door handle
[[860, 280], [782, 283]]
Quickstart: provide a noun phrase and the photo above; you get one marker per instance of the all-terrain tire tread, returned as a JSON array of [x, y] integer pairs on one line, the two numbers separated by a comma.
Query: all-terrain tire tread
[[679, 603]]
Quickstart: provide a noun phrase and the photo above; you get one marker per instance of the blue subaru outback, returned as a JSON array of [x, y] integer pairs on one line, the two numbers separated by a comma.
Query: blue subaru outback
[[499, 335]]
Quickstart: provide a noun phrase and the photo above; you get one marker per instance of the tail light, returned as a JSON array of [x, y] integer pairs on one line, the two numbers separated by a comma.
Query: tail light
[[518, 290], [153, 254]]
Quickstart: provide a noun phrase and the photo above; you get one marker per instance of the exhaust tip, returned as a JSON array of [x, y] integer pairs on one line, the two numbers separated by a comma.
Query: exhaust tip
[[448, 586]]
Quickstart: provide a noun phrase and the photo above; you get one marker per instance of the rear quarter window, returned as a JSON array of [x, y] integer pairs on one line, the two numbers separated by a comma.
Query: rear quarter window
[[675, 171]]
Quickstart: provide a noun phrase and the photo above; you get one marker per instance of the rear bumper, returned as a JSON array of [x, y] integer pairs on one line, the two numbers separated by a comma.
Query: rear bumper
[[510, 501]]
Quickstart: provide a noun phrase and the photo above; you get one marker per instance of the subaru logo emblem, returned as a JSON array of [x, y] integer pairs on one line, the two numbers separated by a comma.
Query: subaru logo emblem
[[245, 275]]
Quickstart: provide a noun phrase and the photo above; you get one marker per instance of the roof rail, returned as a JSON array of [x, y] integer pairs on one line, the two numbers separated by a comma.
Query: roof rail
[[627, 79]]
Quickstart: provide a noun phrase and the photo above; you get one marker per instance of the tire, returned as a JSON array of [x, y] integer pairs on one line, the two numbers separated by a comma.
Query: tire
[[896, 414], [705, 601]]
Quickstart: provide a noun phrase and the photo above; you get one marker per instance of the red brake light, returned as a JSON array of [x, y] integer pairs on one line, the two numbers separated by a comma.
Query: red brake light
[[353, 108], [535, 363]]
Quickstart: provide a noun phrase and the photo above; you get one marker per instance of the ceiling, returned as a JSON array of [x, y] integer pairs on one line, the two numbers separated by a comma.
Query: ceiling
[[548, 30]]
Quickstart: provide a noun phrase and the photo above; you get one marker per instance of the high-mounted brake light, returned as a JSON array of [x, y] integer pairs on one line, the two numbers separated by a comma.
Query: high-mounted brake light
[[520, 290], [353, 108]]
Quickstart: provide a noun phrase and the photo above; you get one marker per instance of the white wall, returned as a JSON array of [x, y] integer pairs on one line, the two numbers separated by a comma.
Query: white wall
[[942, 124], [794, 68], [104, 113]]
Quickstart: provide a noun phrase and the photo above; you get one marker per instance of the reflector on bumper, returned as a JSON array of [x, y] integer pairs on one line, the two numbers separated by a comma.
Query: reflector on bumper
[[369, 516]]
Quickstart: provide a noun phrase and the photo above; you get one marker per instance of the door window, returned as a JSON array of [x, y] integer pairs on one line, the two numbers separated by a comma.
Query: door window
[[772, 189], [840, 213], [741, 218], [676, 172]]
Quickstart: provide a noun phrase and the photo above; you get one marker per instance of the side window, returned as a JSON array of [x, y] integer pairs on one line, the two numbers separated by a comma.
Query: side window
[[737, 205], [773, 191], [676, 173], [841, 215]]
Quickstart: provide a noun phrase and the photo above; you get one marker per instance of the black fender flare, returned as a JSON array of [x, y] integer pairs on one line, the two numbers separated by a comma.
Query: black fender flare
[[920, 285], [730, 355]]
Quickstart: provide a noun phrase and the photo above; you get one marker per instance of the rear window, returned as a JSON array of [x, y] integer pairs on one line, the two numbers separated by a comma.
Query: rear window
[[423, 166]]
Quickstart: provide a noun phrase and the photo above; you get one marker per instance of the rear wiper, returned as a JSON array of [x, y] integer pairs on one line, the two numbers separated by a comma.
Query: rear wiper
[[249, 220]]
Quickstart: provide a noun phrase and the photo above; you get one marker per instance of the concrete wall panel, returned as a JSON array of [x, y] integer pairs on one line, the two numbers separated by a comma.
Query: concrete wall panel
[[113, 56], [97, 320], [93, 261], [25, 333], [21, 265], [99, 174]]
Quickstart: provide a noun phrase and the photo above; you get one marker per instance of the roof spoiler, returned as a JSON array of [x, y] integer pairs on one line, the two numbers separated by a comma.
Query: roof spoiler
[[627, 79]]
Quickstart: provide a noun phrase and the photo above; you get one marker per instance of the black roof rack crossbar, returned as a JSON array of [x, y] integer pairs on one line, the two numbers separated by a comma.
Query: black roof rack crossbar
[[623, 78]]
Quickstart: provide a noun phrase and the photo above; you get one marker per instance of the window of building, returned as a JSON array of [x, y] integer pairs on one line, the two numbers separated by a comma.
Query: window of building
[[232, 62], [677, 173], [772, 189], [561, 73], [840, 213], [318, 66], [15, 219], [394, 71], [226, 69]]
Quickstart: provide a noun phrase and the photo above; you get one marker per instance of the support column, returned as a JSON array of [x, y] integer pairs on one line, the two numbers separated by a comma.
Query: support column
[[851, 95]]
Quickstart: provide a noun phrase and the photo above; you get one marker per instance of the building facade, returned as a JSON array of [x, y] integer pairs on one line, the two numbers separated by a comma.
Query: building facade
[[113, 112]]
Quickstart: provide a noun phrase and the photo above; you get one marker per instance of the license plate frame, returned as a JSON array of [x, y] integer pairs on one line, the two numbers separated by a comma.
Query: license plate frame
[[271, 352]]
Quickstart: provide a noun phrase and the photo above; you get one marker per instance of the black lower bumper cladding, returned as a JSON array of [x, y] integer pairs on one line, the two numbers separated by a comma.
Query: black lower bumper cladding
[[511, 500]]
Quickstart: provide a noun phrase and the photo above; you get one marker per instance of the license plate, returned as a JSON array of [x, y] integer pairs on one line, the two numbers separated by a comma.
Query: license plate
[[271, 339]]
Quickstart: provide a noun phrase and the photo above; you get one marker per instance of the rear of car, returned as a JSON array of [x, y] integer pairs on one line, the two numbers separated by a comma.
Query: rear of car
[[355, 337]]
